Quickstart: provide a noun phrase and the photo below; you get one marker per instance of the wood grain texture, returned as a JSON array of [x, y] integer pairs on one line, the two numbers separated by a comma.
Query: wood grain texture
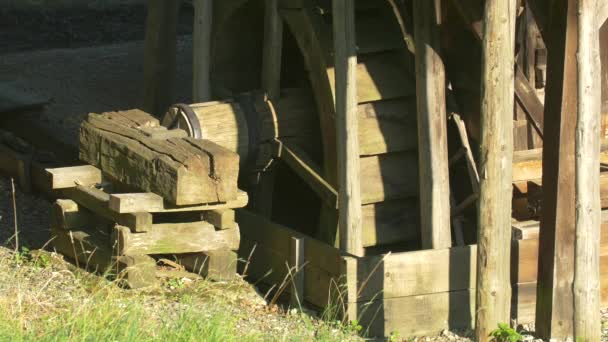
[[588, 210], [432, 130], [135, 202], [554, 308], [68, 177], [496, 153], [175, 238], [346, 94], [181, 170], [273, 49]]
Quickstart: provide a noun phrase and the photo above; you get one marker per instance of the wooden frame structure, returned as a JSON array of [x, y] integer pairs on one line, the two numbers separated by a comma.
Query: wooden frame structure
[[426, 291]]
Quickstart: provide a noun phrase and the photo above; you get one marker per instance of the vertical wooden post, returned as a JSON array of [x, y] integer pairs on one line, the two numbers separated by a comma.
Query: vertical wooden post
[[201, 48], [347, 126], [273, 48], [297, 265], [493, 302], [554, 304], [587, 323], [159, 55], [271, 85], [432, 129]]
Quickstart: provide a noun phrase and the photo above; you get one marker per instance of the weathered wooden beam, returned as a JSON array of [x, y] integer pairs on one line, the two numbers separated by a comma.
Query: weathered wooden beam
[[432, 130], [160, 55], [586, 284], [296, 263], [69, 215], [273, 49], [97, 201], [175, 238], [133, 203], [554, 308], [69, 177], [184, 171], [220, 219], [349, 180], [201, 48], [493, 297]]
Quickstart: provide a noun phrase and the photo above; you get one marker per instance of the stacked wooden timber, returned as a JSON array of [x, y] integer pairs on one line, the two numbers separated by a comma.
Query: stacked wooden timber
[[148, 194]]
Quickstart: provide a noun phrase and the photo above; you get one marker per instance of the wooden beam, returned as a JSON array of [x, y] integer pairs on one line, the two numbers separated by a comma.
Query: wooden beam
[[175, 238], [602, 13], [133, 203], [273, 49], [159, 55], [587, 326], [220, 219], [297, 262], [218, 265], [496, 153], [349, 180], [432, 129], [554, 308], [201, 48], [69, 177], [240, 201]]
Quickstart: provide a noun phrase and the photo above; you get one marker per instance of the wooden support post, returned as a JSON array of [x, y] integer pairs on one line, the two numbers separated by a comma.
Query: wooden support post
[[297, 270], [159, 55], [201, 48], [587, 321], [554, 305], [432, 130], [493, 304], [273, 48], [349, 180]]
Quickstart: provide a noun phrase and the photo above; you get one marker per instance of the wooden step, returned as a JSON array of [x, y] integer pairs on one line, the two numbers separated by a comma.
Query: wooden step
[[387, 126], [381, 76], [389, 176], [390, 222]]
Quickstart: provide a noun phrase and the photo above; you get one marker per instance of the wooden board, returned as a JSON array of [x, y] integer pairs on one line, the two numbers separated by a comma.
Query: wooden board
[[182, 170], [133, 203], [390, 222], [381, 76], [69, 177], [175, 238], [389, 176], [387, 126]]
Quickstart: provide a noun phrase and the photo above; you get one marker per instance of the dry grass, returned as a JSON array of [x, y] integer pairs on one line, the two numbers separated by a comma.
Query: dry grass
[[43, 298]]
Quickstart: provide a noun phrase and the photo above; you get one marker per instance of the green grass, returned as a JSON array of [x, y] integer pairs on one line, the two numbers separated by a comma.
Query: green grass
[[42, 298]]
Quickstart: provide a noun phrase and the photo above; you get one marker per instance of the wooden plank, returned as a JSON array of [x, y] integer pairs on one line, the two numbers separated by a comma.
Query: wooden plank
[[68, 177], [554, 309], [98, 202], [346, 94], [68, 215], [389, 176], [220, 219], [432, 130], [496, 152], [586, 283], [159, 55], [241, 200], [175, 238], [88, 249], [381, 77], [201, 49], [390, 222], [138, 271], [183, 171], [387, 126], [136, 202], [273, 49]]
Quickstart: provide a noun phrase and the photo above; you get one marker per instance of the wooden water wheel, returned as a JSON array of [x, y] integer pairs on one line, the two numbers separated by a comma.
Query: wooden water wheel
[[387, 107]]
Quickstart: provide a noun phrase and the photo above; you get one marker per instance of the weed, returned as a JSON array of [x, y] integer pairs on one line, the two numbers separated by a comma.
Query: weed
[[505, 333]]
